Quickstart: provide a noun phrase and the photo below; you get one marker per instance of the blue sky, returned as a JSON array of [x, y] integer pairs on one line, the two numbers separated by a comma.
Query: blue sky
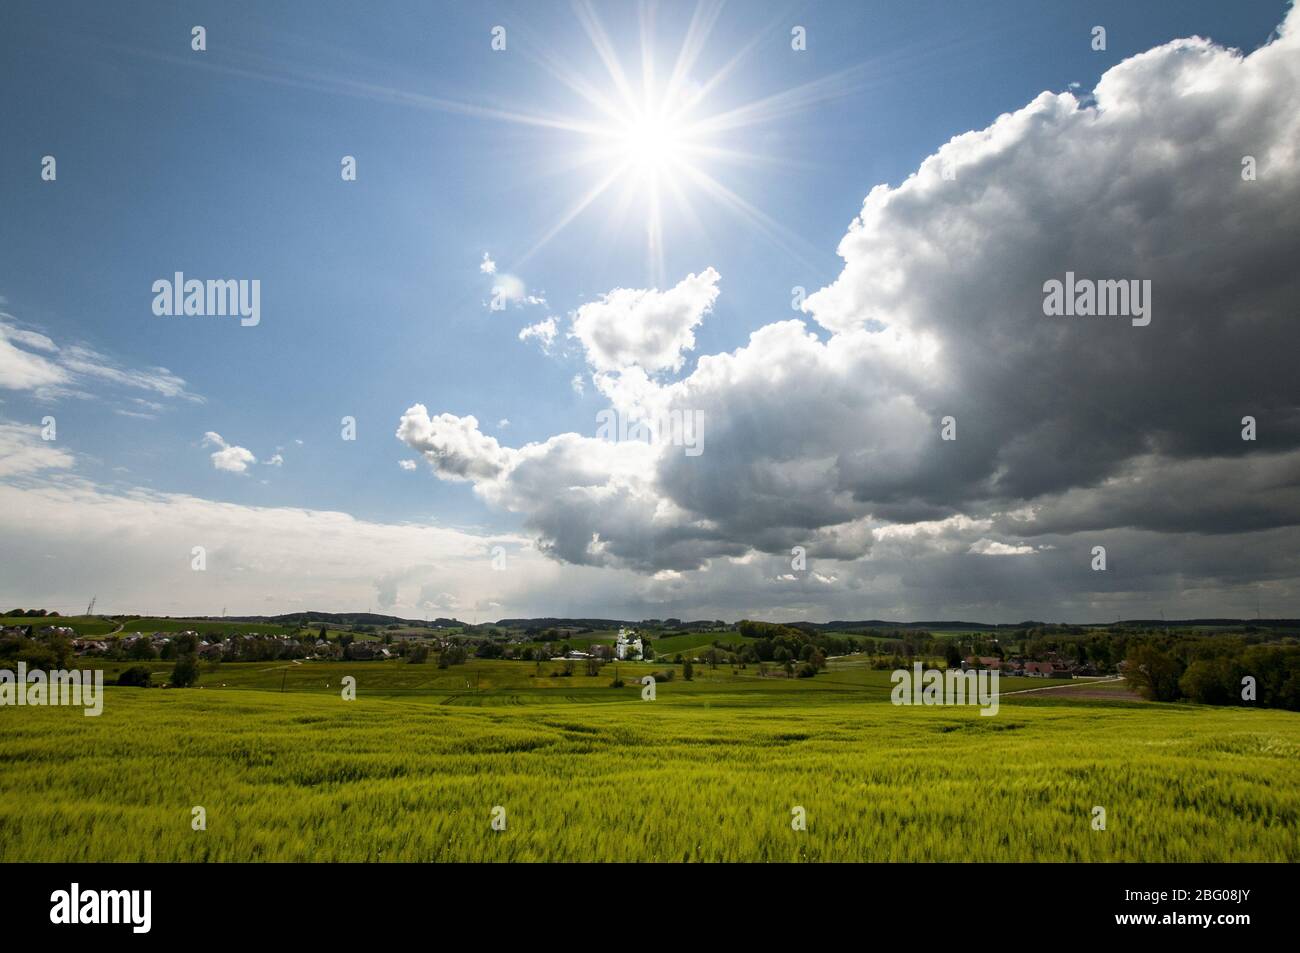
[[225, 163]]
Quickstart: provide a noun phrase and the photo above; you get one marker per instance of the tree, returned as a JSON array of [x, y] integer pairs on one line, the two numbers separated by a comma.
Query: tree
[[418, 654], [688, 670], [951, 655], [1210, 682], [141, 649], [185, 674], [1154, 672], [451, 655], [137, 676]]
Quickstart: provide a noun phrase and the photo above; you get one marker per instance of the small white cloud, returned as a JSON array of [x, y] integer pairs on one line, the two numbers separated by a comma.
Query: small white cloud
[[646, 328], [579, 387], [543, 331], [275, 461], [22, 451], [406, 464], [503, 423], [991, 547], [510, 289], [227, 457], [487, 265]]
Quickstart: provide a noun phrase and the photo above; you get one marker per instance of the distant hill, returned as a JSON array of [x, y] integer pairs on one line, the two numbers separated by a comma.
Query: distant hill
[[346, 618], [557, 622], [547, 622]]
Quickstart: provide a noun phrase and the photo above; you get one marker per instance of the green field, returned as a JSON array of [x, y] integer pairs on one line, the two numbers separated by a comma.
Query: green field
[[206, 627], [710, 770], [84, 625], [104, 625]]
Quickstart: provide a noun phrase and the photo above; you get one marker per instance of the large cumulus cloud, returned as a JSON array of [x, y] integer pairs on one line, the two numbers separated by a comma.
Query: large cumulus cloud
[[827, 434]]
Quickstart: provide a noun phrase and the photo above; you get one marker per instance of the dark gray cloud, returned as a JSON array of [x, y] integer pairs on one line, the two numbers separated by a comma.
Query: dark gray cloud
[[1066, 426]]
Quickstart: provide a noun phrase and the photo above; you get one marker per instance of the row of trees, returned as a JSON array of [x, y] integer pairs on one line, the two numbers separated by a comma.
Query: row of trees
[[1215, 671]]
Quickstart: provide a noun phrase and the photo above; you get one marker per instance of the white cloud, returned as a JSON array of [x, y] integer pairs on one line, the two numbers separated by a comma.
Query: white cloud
[[137, 545], [89, 363], [938, 310], [66, 371], [23, 370], [22, 451], [406, 464], [543, 331], [487, 266], [453, 445], [645, 328], [511, 290], [275, 460], [991, 547], [231, 459]]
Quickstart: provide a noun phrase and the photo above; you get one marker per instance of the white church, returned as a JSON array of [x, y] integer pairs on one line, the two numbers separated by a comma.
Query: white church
[[628, 645]]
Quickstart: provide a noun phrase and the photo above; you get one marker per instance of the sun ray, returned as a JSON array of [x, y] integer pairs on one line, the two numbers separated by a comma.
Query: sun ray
[[790, 243], [697, 34], [658, 139], [605, 50], [574, 210]]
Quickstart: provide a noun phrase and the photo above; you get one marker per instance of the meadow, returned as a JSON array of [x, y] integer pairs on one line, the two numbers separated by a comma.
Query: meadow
[[286, 770]]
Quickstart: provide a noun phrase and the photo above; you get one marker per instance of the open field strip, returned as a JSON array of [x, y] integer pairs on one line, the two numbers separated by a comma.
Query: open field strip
[[708, 771]]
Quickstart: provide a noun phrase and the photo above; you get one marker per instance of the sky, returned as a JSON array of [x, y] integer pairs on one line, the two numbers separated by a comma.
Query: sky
[[647, 311]]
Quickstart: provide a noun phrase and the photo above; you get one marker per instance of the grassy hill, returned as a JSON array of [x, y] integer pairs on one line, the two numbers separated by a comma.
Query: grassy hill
[[710, 770]]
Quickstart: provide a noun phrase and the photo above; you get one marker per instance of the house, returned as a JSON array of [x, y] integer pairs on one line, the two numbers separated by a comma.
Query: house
[[1041, 669], [627, 646]]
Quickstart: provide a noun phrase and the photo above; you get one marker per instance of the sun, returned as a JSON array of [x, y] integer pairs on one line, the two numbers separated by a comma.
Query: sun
[[657, 137], [652, 143]]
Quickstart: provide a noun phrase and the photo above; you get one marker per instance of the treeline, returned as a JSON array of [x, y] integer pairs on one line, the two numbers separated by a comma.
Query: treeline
[[1215, 670], [769, 637], [44, 653]]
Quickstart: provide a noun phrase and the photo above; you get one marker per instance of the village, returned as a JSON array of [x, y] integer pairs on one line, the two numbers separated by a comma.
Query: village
[[628, 645]]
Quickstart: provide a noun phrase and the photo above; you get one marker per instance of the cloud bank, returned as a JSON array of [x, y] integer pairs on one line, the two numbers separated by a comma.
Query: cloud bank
[[827, 434]]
